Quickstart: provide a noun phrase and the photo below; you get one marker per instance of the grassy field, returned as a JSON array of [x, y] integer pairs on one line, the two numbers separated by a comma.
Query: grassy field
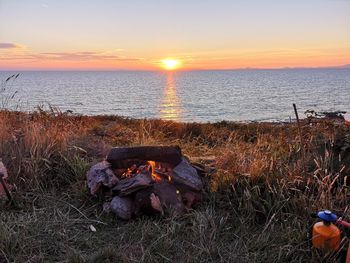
[[259, 192]]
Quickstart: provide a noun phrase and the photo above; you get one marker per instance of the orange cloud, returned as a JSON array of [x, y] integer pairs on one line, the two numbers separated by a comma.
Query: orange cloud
[[66, 60], [82, 56], [9, 45]]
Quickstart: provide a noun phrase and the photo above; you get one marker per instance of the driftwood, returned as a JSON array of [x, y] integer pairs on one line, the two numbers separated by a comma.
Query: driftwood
[[100, 175], [185, 174], [130, 185], [123, 157]]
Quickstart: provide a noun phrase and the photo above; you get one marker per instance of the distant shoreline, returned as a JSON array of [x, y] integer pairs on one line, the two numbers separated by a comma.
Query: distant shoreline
[[113, 117], [341, 67]]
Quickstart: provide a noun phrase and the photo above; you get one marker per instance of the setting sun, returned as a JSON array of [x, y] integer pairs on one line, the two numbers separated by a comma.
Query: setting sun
[[171, 64]]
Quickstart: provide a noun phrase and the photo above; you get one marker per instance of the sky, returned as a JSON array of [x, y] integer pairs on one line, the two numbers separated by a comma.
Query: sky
[[202, 34]]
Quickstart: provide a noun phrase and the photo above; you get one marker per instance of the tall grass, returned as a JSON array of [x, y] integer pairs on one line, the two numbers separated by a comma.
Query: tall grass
[[7, 94], [257, 201]]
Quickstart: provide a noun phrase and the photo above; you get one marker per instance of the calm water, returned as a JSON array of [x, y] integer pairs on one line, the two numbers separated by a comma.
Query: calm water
[[261, 95]]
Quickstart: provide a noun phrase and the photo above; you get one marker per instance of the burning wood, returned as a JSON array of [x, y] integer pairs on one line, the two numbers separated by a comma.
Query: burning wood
[[164, 183], [125, 157]]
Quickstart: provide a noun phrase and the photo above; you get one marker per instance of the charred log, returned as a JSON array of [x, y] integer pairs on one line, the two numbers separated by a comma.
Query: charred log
[[124, 157]]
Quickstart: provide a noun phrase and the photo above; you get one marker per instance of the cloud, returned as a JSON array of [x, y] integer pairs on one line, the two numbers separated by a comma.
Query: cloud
[[9, 45], [82, 56]]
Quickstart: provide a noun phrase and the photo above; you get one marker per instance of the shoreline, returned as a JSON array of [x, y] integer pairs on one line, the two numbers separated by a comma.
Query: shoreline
[[55, 112]]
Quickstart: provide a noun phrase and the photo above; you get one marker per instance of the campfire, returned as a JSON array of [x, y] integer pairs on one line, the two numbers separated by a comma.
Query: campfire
[[146, 181]]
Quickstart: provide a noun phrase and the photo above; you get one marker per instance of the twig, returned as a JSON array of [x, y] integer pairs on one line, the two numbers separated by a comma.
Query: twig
[[5, 257], [301, 138], [79, 211]]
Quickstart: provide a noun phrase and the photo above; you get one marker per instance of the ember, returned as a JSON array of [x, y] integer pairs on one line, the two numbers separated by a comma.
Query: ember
[[146, 180]]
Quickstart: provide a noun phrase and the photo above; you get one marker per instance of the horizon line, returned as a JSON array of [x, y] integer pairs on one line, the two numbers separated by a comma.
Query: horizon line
[[343, 66]]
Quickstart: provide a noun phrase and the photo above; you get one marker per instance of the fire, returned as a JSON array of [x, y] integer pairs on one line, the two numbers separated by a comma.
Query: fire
[[155, 176], [157, 172], [131, 171]]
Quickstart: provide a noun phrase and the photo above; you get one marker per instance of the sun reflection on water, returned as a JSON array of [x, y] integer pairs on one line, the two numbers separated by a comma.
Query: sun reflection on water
[[170, 108]]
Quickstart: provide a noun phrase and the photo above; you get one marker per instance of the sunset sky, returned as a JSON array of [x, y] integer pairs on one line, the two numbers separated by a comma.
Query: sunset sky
[[201, 34]]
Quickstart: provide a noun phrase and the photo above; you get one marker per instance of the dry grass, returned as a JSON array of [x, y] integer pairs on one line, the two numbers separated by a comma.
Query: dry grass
[[257, 203]]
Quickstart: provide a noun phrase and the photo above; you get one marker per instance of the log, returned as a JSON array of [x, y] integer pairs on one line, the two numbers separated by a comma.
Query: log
[[130, 185], [122, 157]]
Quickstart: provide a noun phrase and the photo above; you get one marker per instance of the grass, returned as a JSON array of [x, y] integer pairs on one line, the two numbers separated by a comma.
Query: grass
[[257, 205]]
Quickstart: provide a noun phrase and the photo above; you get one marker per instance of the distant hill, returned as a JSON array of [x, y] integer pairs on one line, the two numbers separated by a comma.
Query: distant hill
[[342, 66], [346, 66]]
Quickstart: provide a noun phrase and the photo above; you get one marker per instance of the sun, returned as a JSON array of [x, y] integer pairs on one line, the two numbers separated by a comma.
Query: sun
[[170, 63]]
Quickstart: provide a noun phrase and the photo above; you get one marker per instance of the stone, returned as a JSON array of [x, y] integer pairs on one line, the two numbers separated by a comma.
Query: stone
[[100, 175], [122, 207], [133, 184], [169, 197], [185, 174]]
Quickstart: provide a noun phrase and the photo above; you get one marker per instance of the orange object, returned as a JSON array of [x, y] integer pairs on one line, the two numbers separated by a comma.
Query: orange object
[[326, 236]]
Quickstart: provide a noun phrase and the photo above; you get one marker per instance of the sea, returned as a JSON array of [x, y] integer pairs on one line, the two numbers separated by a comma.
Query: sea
[[186, 96]]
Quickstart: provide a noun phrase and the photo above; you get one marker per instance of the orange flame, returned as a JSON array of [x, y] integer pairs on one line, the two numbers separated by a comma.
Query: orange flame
[[127, 173], [155, 176]]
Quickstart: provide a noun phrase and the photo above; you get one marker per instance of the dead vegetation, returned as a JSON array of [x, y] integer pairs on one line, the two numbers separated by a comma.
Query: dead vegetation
[[257, 202]]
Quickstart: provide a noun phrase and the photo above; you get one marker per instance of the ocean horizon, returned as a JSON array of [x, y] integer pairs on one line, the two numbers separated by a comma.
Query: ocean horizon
[[195, 95]]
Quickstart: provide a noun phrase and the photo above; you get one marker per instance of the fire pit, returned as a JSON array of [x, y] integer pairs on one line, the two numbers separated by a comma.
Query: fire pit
[[146, 180]]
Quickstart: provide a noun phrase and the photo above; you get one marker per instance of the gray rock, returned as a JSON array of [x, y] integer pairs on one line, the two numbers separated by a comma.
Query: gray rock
[[122, 207], [185, 174], [169, 198], [100, 175], [130, 185]]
